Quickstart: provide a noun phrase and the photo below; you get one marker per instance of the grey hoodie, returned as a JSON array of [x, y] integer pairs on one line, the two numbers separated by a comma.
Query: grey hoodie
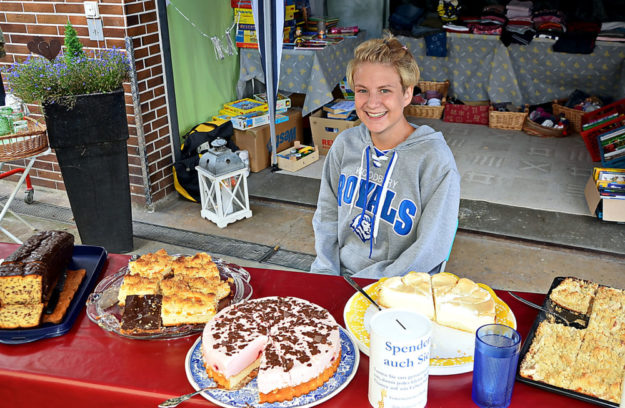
[[418, 185]]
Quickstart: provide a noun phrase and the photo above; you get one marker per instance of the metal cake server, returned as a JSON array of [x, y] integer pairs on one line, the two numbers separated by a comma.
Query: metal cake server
[[361, 290], [174, 402], [366, 295], [535, 306]]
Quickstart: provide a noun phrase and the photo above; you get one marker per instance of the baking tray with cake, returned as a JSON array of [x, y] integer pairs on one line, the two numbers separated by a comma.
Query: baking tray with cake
[[452, 348], [584, 359], [143, 304], [89, 258]]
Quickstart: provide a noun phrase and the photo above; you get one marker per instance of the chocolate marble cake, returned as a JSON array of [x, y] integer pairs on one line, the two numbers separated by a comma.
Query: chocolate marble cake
[[28, 276]]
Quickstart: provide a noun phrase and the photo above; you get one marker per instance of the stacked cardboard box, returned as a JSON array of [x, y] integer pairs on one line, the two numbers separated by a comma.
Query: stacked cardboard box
[[324, 130], [257, 141]]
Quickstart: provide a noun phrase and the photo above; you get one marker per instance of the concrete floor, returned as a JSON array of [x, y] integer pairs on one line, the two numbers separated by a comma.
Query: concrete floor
[[176, 225]]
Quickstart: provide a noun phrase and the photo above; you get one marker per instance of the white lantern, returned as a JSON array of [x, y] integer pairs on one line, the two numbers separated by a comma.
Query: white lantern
[[222, 177]]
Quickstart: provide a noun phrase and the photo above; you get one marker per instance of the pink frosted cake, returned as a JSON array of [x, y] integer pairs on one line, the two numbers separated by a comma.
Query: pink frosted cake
[[291, 345]]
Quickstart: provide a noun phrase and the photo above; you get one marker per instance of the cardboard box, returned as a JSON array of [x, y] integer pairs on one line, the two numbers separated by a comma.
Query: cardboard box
[[613, 209], [257, 141], [325, 130], [288, 162]]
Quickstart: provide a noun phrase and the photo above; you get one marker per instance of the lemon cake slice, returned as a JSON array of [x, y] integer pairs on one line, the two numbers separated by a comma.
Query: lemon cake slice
[[461, 303], [412, 291]]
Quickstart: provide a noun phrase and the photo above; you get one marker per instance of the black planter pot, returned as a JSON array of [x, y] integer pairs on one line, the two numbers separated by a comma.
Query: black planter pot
[[90, 145]]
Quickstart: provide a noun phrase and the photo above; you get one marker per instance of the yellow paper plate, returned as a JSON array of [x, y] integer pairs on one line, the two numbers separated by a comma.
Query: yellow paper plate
[[457, 356]]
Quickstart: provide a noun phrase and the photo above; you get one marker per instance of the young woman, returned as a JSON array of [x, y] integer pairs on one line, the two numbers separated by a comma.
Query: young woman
[[390, 190]]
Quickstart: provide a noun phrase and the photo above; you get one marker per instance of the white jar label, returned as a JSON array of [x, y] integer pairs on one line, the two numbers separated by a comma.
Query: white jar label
[[399, 359]]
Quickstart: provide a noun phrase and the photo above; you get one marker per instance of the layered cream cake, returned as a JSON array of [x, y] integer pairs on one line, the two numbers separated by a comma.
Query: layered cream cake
[[291, 345], [445, 299]]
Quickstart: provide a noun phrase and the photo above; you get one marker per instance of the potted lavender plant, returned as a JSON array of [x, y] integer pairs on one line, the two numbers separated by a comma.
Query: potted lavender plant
[[84, 108]]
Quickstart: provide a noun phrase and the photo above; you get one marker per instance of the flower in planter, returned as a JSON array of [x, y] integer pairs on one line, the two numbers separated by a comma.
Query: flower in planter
[[59, 80]]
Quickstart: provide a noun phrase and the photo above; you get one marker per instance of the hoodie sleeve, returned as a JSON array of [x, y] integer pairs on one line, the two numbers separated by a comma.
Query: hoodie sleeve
[[435, 231], [325, 220]]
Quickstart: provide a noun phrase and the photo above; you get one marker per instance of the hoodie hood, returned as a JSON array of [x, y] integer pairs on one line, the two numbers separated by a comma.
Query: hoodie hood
[[421, 134]]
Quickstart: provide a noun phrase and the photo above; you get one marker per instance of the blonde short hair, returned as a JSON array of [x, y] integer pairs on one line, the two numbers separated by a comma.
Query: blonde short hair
[[387, 50]]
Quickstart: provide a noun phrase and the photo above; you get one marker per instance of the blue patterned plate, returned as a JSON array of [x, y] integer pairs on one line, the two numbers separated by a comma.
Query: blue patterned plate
[[248, 395]]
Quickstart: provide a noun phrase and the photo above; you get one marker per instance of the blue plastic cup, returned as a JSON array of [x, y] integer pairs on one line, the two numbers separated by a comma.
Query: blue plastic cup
[[495, 361]]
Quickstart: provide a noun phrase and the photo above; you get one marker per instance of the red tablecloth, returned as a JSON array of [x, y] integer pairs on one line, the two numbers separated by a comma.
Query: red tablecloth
[[89, 367]]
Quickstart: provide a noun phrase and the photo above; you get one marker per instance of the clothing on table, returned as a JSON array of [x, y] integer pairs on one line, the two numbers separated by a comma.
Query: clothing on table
[[578, 42], [385, 221], [519, 9], [436, 44]]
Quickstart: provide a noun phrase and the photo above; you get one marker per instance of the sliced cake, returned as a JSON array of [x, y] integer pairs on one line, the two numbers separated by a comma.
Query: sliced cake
[[291, 345], [461, 303], [412, 291]]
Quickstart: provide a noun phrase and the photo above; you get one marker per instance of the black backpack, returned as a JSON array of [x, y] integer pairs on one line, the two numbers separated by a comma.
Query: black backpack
[[185, 175]]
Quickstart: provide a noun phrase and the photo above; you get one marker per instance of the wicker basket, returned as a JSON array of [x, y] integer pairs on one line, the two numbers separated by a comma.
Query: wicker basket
[[573, 115], [24, 144], [441, 87], [534, 129], [426, 111], [506, 120]]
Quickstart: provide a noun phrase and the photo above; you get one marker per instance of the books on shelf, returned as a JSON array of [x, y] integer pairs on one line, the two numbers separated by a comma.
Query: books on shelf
[[612, 146], [600, 120]]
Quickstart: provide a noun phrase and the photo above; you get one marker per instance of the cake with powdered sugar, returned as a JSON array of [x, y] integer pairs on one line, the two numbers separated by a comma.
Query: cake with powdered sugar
[[291, 345]]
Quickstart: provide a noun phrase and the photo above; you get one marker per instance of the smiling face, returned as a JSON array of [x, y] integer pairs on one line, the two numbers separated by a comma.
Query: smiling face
[[380, 102]]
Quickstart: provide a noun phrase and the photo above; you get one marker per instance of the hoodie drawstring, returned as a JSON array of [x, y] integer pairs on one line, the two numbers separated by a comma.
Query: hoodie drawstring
[[385, 182], [362, 160], [378, 212], [355, 197]]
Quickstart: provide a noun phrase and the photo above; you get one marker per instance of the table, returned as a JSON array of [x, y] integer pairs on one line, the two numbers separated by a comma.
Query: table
[[480, 67], [311, 72], [89, 367]]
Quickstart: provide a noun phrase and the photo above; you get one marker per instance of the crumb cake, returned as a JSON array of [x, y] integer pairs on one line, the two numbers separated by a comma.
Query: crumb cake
[[445, 299], [574, 294], [552, 355], [590, 361], [290, 345], [189, 288]]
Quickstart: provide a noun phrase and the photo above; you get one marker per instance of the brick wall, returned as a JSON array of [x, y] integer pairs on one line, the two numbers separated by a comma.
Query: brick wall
[[149, 146]]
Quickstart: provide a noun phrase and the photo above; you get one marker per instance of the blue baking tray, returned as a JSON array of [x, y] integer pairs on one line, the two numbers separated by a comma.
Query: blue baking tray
[[90, 258]]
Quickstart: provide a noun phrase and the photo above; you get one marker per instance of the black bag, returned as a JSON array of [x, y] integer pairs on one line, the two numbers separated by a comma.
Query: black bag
[[195, 143]]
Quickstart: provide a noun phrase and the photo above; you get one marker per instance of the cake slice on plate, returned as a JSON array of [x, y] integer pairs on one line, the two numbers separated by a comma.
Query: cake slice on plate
[[461, 303], [412, 291]]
